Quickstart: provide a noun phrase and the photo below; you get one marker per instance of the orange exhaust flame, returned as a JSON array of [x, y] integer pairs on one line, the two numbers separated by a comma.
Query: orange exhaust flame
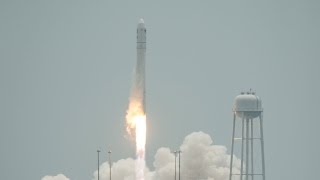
[[136, 126]]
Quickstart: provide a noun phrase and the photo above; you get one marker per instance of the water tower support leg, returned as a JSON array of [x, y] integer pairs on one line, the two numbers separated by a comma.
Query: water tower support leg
[[252, 167], [232, 145], [242, 146], [247, 149], [262, 146]]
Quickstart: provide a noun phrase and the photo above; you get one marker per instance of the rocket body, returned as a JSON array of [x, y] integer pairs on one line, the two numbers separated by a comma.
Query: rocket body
[[136, 113], [140, 66], [139, 91]]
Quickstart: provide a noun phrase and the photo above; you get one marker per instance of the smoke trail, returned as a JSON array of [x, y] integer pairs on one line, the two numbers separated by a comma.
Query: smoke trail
[[136, 121]]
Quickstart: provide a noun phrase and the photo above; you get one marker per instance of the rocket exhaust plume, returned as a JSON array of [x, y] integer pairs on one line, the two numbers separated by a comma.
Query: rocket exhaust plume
[[136, 115]]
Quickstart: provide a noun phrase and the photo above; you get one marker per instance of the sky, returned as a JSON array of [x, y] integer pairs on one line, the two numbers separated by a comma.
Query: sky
[[66, 70]]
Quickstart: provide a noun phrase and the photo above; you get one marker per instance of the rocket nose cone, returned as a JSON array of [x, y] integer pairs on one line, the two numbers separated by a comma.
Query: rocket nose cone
[[141, 24], [141, 21]]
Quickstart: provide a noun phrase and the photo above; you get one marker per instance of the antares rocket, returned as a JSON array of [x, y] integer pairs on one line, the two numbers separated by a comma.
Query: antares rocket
[[136, 113], [140, 66], [140, 109]]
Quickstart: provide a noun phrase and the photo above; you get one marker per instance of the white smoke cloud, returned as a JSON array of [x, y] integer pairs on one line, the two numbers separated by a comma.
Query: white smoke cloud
[[200, 159], [57, 177]]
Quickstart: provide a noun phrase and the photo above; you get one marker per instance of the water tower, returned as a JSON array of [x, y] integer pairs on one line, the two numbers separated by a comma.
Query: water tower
[[248, 127]]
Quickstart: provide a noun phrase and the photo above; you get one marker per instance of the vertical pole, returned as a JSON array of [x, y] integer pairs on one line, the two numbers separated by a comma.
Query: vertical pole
[[252, 167], [179, 162], [232, 145], [110, 162], [262, 146], [247, 149], [98, 151], [175, 165], [242, 141]]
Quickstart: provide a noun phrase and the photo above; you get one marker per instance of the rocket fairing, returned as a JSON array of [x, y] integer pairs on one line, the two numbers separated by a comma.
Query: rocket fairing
[[140, 66], [141, 35]]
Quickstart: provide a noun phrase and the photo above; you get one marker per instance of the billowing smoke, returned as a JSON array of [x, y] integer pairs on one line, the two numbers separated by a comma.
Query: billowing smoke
[[57, 177], [124, 169], [200, 159]]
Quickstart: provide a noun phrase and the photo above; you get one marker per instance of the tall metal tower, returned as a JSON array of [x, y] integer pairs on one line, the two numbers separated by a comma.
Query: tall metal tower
[[247, 110]]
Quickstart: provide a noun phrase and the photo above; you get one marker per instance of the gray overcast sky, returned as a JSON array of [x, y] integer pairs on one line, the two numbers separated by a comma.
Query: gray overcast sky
[[66, 67]]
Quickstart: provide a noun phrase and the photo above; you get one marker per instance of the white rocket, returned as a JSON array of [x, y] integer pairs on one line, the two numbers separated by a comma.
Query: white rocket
[[140, 66]]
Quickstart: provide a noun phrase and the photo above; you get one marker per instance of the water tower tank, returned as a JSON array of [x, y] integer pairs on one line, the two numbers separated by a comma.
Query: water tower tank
[[247, 105]]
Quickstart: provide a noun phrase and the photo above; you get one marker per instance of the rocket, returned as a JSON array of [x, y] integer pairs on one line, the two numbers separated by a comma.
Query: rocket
[[140, 88]]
